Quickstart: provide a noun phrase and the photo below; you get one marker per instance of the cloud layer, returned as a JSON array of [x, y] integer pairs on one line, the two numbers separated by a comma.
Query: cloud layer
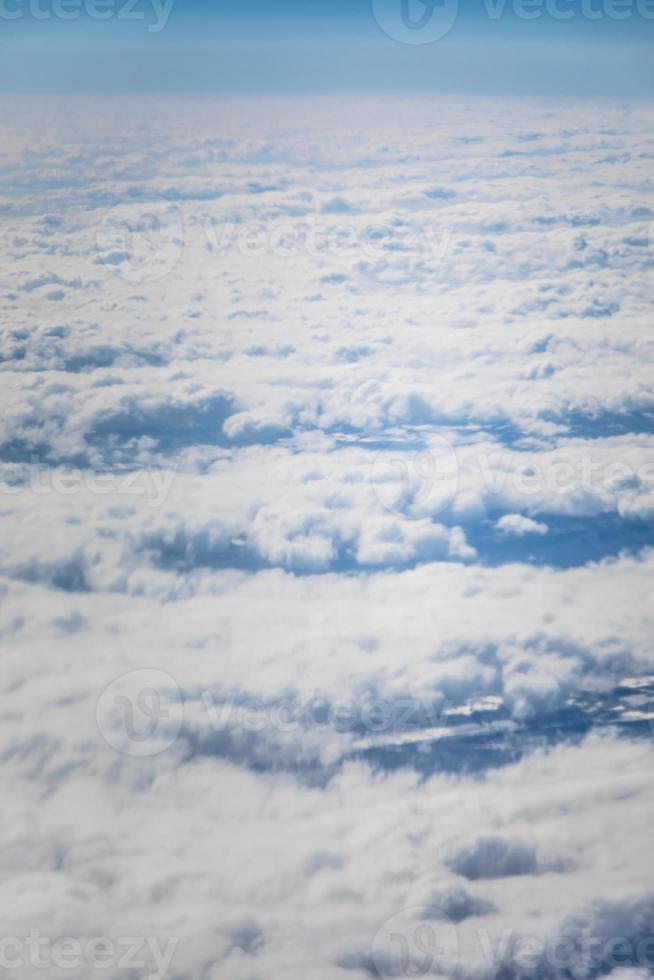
[[327, 481]]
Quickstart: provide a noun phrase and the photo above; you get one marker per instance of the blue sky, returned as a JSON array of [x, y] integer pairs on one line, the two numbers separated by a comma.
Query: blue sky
[[556, 47]]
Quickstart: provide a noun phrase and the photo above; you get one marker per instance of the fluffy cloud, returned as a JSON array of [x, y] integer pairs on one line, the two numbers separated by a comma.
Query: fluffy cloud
[[327, 483], [519, 525]]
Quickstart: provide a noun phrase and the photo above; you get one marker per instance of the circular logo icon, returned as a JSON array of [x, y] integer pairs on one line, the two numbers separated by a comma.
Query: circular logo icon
[[414, 482], [141, 241], [140, 713], [415, 21], [416, 942]]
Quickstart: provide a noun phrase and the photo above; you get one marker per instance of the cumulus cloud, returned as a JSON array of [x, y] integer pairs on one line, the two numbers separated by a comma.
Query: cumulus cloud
[[326, 564], [518, 525]]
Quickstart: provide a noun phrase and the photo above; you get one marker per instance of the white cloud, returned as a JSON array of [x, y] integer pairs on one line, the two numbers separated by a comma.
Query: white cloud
[[368, 475], [518, 525]]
